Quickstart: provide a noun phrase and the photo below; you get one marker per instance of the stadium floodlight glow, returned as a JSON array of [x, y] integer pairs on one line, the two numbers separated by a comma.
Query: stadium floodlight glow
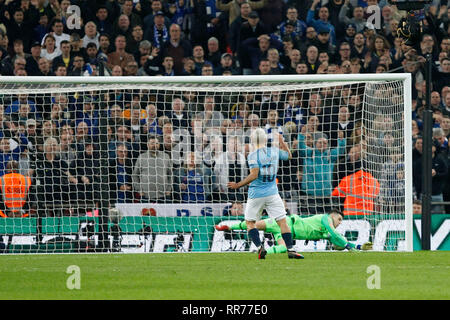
[[75, 218]]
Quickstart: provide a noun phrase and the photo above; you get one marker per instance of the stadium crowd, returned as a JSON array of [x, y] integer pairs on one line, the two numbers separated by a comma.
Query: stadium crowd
[[57, 138]]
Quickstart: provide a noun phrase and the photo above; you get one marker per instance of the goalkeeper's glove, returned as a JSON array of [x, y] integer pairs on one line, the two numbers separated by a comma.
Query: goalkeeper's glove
[[367, 246]]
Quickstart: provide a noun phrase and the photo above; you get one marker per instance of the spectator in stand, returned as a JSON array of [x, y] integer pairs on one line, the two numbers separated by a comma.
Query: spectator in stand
[[67, 153], [442, 77], [44, 67], [301, 68], [292, 17], [4, 43], [293, 60], [257, 48], [342, 123], [78, 66], [226, 64], [90, 34], [347, 164], [178, 115], [357, 16], [235, 27], [103, 20], [359, 49], [50, 51], [417, 207], [322, 22], [122, 134], [122, 27], [42, 28], [264, 67], [136, 124], [212, 118], [77, 45], [105, 47], [32, 61], [152, 174], [237, 209], [312, 59], [233, 7], [190, 182], [81, 135], [442, 142], [274, 58], [11, 70], [346, 67], [439, 174], [131, 68], [206, 21], [316, 108], [157, 32], [133, 44], [18, 52], [57, 33], [318, 164], [149, 10], [199, 58], [86, 169], [127, 10], [31, 135], [119, 57], [89, 114], [292, 111], [380, 48], [117, 71], [151, 122], [350, 32], [323, 43], [250, 30], [176, 47], [344, 53], [120, 176], [272, 127], [18, 26], [355, 65], [207, 69], [65, 58], [230, 166], [153, 63], [213, 54], [56, 183], [94, 60]]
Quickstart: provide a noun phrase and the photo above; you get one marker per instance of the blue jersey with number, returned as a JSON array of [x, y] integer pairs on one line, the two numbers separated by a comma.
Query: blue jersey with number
[[266, 159]]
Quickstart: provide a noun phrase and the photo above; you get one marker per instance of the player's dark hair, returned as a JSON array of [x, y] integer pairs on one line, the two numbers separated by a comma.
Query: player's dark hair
[[337, 211]]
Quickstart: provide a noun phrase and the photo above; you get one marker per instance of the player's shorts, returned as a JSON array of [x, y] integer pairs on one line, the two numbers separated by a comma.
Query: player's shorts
[[273, 205]]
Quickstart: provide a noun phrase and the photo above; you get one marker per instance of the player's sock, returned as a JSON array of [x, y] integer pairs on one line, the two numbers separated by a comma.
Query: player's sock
[[254, 236], [277, 249], [239, 226], [287, 237]]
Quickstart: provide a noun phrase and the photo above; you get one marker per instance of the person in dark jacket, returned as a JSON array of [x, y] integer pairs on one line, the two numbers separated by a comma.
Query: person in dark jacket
[[120, 176], [438, 172]]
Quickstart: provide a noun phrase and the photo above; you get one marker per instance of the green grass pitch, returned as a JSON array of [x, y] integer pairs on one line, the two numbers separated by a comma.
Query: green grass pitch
[[226, 276]]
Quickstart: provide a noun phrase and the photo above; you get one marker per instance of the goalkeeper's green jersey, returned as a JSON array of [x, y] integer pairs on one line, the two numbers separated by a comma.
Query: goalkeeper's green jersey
[[312, 228]]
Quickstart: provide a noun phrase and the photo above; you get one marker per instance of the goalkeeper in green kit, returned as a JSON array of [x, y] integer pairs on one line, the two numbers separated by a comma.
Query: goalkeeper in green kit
[[321, 226]]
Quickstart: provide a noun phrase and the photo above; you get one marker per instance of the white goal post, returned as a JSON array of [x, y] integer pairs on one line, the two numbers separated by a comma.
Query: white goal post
[[140, 164]]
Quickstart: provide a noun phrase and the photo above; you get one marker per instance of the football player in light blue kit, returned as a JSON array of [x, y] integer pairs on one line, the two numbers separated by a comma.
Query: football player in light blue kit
[[263, 190]]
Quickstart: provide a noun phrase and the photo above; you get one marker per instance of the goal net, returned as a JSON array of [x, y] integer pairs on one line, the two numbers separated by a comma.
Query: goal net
[[141, 164]]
